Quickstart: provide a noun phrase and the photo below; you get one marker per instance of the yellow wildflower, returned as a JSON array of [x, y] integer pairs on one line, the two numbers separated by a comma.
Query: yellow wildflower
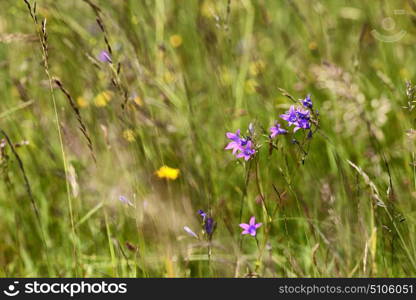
[[82, 102], [169, 77], [129, 135], [225, 76], [103, 98], [138, 101], [251, 86], [207, 9], [167, 172], [256, 67], [313, 46], [175, 40]]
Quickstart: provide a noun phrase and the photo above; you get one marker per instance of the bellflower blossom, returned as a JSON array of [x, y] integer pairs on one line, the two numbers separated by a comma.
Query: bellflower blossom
[[241, 147], [190, 232], [236, 141], [298, 117], [104, 56], [125, 200], [303, 120], [307, 102], [290, 116], [251, 227], [247, 151], [202, 214], [277, 130], [209, 226], [208, 223]]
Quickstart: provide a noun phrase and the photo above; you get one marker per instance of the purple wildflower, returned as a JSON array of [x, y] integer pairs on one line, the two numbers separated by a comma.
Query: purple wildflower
[[302, 124], [236, 141], [242, 147], [190, 232], [202, 214], [125, 200], [277, 130], [307, 102], [298, 117], [209, 226], [303, 113], [234, 136], [251, 128], [290, 116], [247, 151], [303, 119], [208, 223], [251, 227], [104, 56]]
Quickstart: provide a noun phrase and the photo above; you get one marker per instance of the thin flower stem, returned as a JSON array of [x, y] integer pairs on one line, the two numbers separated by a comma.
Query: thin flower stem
[[260, 254], [209, 249], [42, 38], [259, 188], [246, 182], [257, 242]]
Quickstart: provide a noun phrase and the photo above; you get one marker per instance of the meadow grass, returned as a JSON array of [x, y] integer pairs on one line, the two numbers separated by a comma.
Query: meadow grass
[[83, 137]]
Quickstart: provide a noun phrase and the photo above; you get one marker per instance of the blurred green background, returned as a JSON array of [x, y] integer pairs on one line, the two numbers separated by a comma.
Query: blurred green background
[[184, 73]]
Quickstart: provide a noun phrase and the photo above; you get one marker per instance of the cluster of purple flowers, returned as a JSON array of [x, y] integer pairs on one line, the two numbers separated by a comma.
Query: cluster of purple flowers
[[242, 147], [208, 225], [299, 117]]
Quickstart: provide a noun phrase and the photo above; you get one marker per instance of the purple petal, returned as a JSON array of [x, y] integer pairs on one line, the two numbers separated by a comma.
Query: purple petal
[[190, 232], [125, 200], [229, 146], [202, 214], [104, 56], [244, 226], [233, 136], [230, 135]]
